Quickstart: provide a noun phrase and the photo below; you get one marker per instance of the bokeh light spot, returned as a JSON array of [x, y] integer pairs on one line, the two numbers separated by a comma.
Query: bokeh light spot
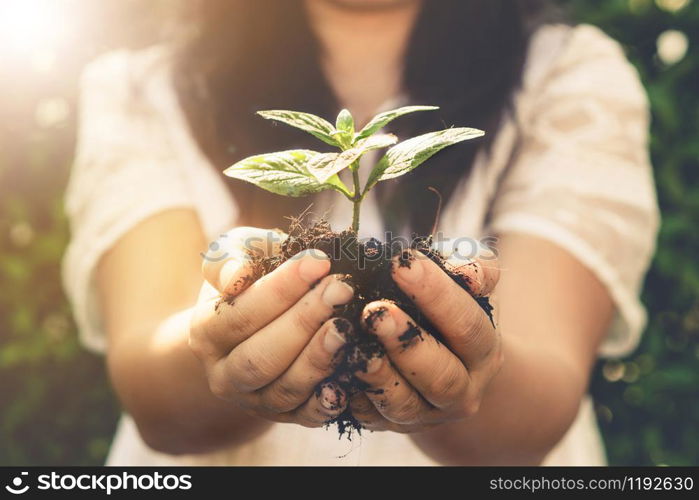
[[672, 46], [671, 5]]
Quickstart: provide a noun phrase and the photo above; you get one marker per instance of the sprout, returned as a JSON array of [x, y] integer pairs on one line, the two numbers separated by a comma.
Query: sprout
[[300, 172]]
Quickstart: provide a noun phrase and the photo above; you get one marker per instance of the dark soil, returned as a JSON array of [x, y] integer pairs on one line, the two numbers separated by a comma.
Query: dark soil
[[366, 266]]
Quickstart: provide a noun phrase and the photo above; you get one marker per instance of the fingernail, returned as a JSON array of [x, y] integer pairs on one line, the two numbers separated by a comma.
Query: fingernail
[[314, 265], [384, 325], [334, 338], [485, 252], [337, 292], [408, 267], [331, 397], [373, 365], [229, 272], [470, 268]]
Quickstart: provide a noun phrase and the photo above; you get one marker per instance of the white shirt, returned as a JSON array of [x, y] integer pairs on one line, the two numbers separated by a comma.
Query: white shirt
[[570, 164]]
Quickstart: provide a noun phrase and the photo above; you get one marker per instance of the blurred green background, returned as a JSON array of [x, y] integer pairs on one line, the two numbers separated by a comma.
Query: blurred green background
[[56, 406]]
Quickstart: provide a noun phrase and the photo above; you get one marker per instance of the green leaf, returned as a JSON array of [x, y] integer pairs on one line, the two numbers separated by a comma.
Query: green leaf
[[376, 142], [409, 154], [323, 166], [344, 133], [345, 122], [284, 172], [382, 119], [314, 125]]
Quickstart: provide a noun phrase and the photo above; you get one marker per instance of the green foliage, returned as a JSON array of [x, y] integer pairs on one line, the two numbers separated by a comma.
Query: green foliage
[[284, 172], [410, 154], [325, 165], [345, 127], [648, 405], [56, 406], [383, 119], [303, 172], [314, 125]]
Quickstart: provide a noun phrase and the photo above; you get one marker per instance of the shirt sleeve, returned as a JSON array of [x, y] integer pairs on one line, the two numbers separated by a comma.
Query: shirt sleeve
[[581, 175], [133, 160]]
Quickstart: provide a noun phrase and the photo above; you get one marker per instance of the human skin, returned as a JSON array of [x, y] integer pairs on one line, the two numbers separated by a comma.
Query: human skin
[[182, 368]]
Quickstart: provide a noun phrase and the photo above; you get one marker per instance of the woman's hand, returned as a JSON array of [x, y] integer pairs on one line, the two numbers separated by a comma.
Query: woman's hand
[[267, 344], [422, 382]]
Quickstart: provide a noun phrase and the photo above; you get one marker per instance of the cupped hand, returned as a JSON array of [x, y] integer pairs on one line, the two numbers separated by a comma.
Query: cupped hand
[[268, 343], [422, 382]]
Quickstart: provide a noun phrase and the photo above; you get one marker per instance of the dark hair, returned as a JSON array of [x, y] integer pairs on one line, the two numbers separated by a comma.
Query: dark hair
[[465, 56]]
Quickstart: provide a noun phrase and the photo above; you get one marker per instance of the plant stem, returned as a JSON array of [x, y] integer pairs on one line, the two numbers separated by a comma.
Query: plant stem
[[357, 198], [355, 215]]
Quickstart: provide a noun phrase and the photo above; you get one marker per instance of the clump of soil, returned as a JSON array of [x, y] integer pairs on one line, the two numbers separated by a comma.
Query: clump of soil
[[366, 266]]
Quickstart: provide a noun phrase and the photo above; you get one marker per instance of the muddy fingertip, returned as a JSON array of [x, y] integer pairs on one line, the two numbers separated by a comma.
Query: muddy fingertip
[[332, 397], [375, 312], [337, 292], [336, 334]]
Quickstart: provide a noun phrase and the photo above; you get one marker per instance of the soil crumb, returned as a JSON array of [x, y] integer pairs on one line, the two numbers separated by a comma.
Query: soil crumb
[[413, 332]]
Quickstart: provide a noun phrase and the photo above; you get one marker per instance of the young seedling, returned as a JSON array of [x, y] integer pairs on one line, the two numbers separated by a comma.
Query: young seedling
[[365, 265], [300, 172]]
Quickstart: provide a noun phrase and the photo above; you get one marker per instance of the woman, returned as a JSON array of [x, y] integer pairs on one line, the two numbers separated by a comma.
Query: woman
[[563, 181]]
